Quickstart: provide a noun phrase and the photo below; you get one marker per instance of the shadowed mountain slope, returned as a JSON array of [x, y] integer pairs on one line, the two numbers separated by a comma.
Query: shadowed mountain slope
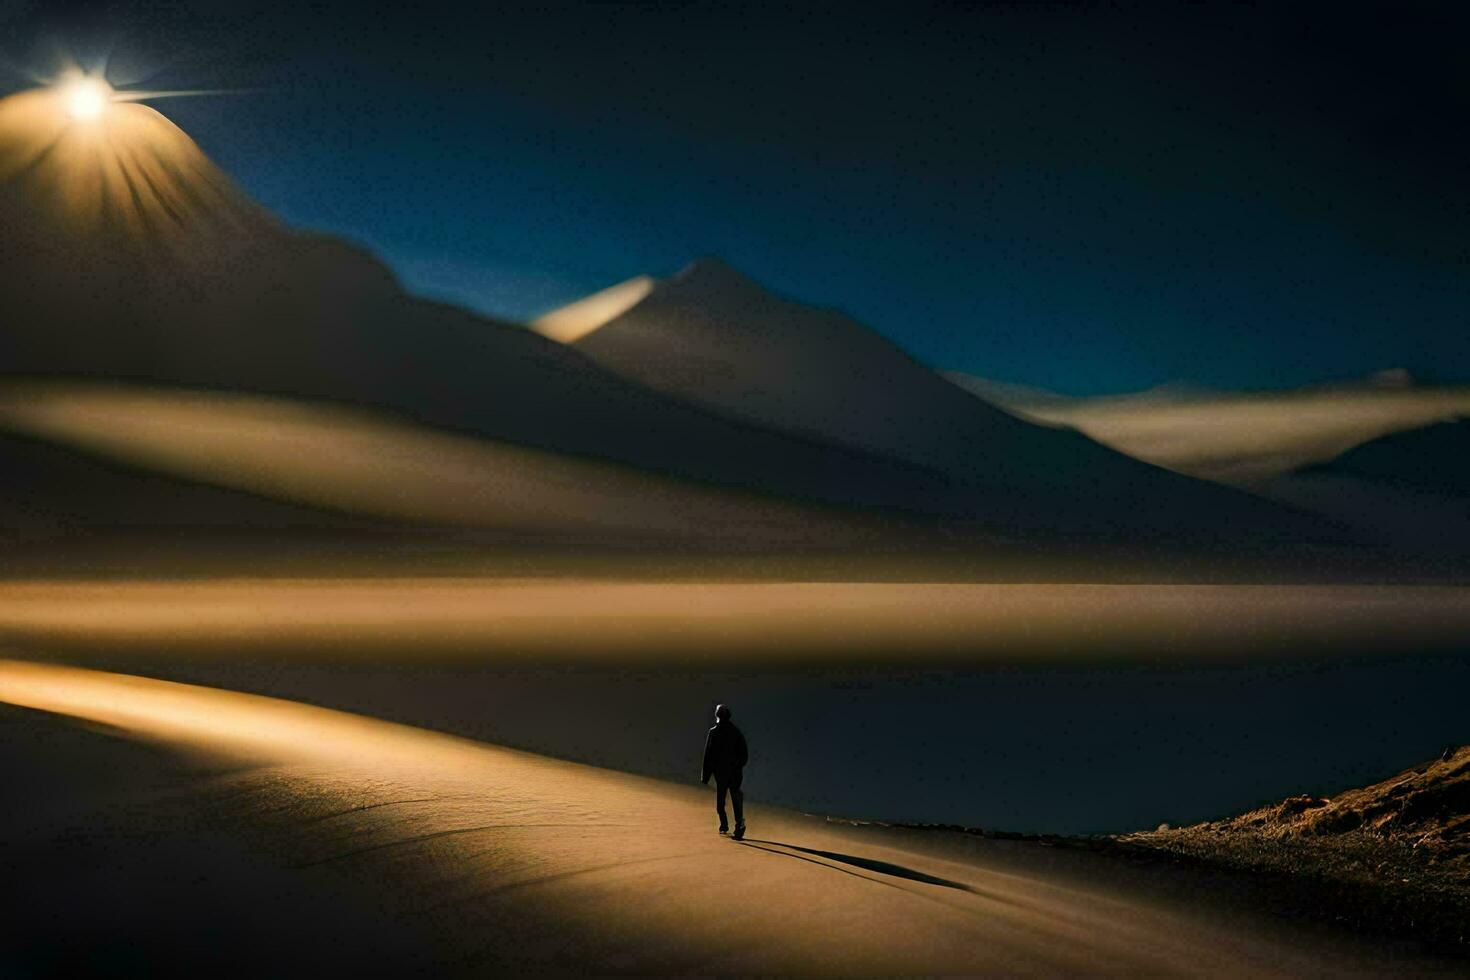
[[712, 336], [1410, 489], [1382, 455], [1434, 459]]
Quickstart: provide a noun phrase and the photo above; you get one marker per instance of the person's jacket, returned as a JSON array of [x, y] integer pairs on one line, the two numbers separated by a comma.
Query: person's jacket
[[724, 751]]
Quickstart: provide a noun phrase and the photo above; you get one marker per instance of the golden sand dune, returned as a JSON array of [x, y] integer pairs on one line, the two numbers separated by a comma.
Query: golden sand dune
[[376, 464], [766, 622], [498, 860]]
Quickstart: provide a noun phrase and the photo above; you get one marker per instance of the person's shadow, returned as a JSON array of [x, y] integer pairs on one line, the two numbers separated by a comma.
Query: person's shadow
[[867, 864]]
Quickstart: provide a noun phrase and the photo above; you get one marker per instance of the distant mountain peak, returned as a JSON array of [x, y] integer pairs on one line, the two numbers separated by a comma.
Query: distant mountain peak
[[709, 281], [712, 281], [710, 268]]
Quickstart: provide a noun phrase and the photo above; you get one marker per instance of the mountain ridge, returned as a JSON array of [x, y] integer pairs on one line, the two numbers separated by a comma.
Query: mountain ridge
[[250, 305], [713, 336]]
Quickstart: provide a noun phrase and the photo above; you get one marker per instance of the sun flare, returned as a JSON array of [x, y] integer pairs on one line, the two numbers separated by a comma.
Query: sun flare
[[99, 161], [86, 97]]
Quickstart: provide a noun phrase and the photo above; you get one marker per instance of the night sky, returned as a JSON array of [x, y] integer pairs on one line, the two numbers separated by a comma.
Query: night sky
[[1091, 198]]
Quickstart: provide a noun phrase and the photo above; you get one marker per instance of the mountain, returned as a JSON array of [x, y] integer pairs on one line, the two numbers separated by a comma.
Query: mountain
[[1236, 437], [1381, 455], [1434, 459], [1018, 399], [577, 319], [162, 272], [1410, 489], [711, 336], [130, 258]]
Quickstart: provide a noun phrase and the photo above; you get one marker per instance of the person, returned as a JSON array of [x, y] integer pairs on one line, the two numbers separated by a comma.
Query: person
[[725, 756]]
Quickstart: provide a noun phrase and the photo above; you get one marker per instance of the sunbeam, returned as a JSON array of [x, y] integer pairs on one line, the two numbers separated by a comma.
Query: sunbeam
[[101, 161]]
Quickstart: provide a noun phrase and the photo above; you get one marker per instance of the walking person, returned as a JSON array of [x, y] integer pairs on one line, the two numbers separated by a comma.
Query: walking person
[[725, 756]]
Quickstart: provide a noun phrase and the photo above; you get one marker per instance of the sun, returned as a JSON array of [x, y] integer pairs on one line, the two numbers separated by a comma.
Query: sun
[[86, 97]]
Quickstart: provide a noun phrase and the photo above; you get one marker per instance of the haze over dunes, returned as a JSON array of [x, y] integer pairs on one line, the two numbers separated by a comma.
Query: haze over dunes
[[588, 620], [1383, 455], [1233, 436]]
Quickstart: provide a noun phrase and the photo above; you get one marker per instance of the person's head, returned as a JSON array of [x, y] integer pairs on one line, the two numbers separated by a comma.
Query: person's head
[[722, 712]]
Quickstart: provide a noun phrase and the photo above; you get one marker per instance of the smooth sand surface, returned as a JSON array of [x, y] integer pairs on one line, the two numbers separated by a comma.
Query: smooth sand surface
[[356, 461], [781, 622], [427, 851]]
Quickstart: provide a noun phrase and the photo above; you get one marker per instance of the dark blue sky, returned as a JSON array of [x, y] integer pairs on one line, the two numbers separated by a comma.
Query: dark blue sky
[[1092, 198]]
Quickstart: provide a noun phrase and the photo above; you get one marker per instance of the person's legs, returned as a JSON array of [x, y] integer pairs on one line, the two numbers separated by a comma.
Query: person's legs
[[737, 798], [720, 804]]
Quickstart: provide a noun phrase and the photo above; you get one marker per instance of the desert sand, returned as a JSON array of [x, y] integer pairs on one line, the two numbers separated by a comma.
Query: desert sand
[[355, 461], [734, 622], [359, 842]]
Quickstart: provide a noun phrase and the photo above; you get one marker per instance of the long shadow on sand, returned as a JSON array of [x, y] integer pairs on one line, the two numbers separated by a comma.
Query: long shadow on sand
[[867, 864]]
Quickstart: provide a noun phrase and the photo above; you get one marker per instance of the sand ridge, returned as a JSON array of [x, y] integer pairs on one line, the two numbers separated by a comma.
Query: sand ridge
[[512, 860]]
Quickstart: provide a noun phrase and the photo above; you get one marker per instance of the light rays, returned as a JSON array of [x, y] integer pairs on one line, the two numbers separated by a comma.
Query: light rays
[[95, 160]]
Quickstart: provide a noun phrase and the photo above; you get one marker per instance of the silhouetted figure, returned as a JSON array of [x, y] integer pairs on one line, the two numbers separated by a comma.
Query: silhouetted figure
[[725, 756]]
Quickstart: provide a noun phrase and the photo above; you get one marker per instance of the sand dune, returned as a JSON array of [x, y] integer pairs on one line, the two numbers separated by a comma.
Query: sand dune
[[50, 492], [1235, 437], [498, 860], [368, 463]]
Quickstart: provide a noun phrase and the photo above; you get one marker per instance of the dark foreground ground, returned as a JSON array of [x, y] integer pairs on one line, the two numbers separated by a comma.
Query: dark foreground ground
[[211, 832], [1392, 858]]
